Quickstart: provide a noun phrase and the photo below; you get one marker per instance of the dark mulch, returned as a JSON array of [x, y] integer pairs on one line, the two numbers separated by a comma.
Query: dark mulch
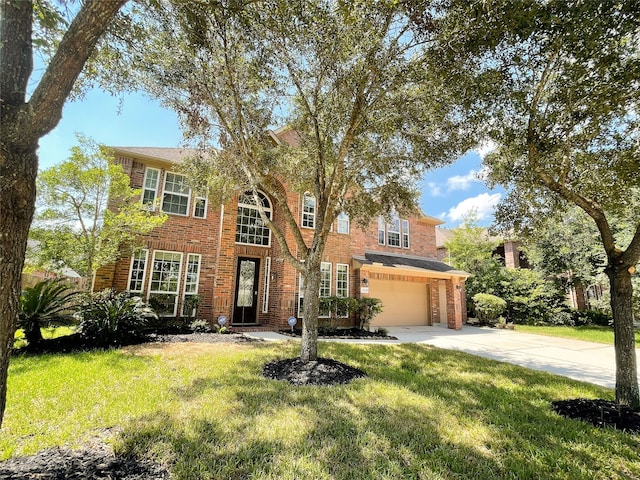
[[346, 333], [204, 338], [94, 461], [324, 371], [601, 413]]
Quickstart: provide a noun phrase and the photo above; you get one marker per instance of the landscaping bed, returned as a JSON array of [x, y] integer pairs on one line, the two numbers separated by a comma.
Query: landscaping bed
[[343, 333]]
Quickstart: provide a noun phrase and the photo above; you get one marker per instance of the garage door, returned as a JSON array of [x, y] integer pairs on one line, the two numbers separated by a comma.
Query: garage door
[[404, 303]]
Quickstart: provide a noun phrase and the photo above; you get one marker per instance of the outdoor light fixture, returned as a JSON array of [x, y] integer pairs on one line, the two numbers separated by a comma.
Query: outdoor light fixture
[[273, 276], [365, 282]]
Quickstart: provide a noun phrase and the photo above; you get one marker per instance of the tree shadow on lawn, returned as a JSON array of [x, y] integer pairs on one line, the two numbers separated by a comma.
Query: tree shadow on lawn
[[421, 413]]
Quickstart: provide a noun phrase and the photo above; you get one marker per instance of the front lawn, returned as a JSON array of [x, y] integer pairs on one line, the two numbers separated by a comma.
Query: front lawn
[[206, 411], [588, 333]]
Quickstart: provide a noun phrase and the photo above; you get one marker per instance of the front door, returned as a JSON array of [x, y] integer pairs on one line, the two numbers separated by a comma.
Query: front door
[[246, 306]]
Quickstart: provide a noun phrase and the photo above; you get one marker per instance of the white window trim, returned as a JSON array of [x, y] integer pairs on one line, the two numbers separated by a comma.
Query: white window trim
[[206, 206], [267, 210], [398, 232], [404, 234], [382, 230], [151, 205], [144, 271], [177, 292], [347, 266], [346, 221], [164, 191], [311, 217], [184, 290], [266, 284]]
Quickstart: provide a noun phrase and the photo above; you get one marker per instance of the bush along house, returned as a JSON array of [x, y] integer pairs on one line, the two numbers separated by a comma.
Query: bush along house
[[226, 259]]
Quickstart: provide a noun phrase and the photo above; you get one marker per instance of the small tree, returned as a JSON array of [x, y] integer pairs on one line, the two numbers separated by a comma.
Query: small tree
[[368, 308], [88, 211], [42, 303]]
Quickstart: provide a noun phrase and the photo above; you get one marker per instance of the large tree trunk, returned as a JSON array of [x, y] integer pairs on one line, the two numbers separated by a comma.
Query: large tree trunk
[[22, 124], [626, 368], [17, 199], [311, 308]]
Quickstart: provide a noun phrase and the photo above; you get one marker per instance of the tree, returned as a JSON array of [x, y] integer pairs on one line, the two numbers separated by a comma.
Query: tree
[[89, 211], [472, 250], [23, 121], [555, 85], [347, 79]]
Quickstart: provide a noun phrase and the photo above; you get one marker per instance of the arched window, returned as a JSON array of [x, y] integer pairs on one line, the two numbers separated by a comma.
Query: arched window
[[250, 229]]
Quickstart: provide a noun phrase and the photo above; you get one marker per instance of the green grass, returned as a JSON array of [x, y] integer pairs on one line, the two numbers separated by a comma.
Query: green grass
[[422, 412], [48, 332], [588, 333]]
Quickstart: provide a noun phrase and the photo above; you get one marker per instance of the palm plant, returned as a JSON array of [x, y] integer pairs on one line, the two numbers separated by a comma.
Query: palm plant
[[42, 303]]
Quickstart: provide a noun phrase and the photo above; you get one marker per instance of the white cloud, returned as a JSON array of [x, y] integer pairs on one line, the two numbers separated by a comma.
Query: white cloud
[[484, 205], [462, 182], [434, 189]]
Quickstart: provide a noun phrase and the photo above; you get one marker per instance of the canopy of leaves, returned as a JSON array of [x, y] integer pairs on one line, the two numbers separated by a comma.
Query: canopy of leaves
[[348, 80], [555, 84], [87, 211]]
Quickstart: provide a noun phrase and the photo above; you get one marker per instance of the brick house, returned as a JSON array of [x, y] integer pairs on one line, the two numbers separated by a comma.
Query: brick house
[[230, 260]]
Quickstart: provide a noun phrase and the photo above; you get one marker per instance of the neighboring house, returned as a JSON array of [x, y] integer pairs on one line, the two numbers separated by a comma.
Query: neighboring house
[[31, 276], [226, 256], [508, 250]]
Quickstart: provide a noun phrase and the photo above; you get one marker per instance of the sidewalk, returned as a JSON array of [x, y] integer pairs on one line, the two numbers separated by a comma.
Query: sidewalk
[[584, 361]]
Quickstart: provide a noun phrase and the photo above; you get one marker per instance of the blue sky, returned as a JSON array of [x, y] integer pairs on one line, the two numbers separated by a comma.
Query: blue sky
[[135, 120]]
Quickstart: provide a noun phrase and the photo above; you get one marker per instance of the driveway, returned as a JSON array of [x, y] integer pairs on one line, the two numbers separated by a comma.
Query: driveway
[[585, 361]]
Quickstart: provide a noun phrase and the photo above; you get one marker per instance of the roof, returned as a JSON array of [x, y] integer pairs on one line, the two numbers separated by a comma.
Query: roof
[[408, 262], [173, 155], [443, 235]]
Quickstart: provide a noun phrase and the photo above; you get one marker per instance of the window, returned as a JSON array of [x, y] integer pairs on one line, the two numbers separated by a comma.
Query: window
[[405, 233], [176, 194], [308, 210], [342, 288], [343, 223], [342, 280], [191, 281], [395, 233], [136, 274], [163, 285], [250, 229], [267, 281], [200, 207], [150, 185]]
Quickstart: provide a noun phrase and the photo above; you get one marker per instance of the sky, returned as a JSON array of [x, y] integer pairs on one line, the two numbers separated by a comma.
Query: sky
[[135, 120]]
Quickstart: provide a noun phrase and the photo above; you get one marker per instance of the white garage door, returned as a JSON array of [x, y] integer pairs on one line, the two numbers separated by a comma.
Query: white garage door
[[404, 303]]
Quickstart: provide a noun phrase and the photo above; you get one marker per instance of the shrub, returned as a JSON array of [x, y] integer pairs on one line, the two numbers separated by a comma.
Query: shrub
[[592, 317], [200, 326], [532, 299], [108, 318], [41, 304], [488, 307], [337, 307], [367, 310], [190, 307]]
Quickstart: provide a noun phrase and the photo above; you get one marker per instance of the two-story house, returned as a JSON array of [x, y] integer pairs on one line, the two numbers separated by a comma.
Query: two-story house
[[226, 256]]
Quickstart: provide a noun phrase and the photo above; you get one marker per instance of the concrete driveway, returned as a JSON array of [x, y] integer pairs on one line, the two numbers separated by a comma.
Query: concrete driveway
[[585, 361]]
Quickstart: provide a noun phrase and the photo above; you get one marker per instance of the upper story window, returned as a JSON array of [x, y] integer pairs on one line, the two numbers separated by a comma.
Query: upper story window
[[150, 185], [394, 233], [200, 207], [343, 223], [250, 228], [175, 198], [308, 211]]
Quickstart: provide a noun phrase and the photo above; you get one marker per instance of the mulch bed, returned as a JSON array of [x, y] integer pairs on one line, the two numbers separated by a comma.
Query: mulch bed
[[94, 461], [324, 371], [601, 413], [343, 333]]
